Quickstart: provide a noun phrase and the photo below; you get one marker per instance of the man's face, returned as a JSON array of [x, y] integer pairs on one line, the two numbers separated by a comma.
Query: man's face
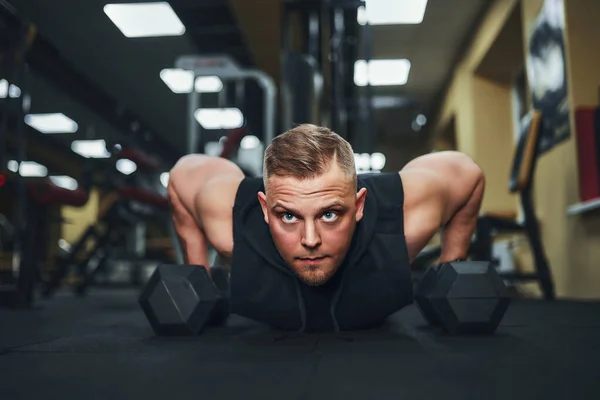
[[312, 221]]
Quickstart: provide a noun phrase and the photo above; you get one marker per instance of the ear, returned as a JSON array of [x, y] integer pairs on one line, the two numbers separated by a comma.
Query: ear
[[262, 199], [360, 203]]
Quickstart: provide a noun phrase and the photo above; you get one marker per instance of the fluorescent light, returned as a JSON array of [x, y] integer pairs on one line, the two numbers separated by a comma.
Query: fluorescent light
[[377, 161], [381, 72], [392, 12], [51, 123], [31, 169], [65, 182], [208, 84], [9, 90], [178, 80], [249, 142], [90, 148], [362, 161], [145, 19], [125, 166], [13, 166], [219, 118], [182, 81], [164, 179], [14, 91], [421, 120], [369, 162]]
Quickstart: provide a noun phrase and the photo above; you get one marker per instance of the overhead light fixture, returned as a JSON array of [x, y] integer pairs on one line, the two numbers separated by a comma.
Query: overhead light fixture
[[90, 148], [219, 118], [396, 12], [14, 91], [381, 72], [421, 120], [377, 161], [126, 167], [178, 80], [65, 182], [136, 20], [249, 142], [6, 90], [208, 84], [3, 88], [182, 81], [369, 162], [362, 161], [13, 166], [51, 123], [164, 179], [32, 169]]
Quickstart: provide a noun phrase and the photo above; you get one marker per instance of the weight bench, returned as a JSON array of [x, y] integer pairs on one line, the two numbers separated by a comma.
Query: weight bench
[[491, 224]]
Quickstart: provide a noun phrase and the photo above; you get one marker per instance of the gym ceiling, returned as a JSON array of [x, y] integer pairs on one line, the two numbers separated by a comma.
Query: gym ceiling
[[84, 67]]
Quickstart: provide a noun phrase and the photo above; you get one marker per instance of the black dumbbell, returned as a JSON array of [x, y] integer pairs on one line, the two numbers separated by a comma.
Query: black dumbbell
[[184, 299], [466, 297]]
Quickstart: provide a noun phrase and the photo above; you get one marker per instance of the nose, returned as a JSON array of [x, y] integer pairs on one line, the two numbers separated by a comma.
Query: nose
[[311, 237]]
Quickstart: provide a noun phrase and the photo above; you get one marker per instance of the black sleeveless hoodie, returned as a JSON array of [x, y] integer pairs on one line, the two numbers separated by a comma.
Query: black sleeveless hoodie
[[373, 282]]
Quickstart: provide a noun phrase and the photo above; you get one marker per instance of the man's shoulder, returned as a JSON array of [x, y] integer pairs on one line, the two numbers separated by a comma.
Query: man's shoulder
[[247, 192], [384, 186]]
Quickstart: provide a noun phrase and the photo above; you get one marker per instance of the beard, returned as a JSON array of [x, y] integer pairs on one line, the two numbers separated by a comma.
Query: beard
[[314, 275]]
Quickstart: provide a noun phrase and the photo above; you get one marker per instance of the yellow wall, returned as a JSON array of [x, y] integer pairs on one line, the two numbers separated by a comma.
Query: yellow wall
[[77, 219], [482, 110], [474, 102]]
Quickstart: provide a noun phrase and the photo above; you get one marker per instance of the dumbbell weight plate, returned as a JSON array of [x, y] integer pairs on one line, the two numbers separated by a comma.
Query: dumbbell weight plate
[[179, 299], [464, 297]]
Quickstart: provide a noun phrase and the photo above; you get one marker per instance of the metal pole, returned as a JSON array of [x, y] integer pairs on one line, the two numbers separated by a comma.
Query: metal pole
[[193, 136], [270, 98]]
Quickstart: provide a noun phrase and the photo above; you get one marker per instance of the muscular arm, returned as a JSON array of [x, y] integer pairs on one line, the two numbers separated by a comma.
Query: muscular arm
[[193, 241], [442, 191]]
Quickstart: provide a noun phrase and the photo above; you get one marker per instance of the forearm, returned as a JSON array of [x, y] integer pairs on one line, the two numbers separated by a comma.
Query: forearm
[[192, 239], [194, 247], [457, 232]]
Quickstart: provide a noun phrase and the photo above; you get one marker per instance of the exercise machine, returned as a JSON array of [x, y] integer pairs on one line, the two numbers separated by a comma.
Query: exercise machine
[[226, 69]]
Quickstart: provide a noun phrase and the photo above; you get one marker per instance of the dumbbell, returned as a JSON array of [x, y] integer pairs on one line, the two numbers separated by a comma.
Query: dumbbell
[[463, 297], [184, 299]]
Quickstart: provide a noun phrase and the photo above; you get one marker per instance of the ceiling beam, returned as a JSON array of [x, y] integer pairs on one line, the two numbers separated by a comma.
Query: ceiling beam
[[46, 59]]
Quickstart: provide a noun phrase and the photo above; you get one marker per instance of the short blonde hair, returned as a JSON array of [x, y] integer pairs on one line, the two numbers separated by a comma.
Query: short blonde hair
[[306, 152]]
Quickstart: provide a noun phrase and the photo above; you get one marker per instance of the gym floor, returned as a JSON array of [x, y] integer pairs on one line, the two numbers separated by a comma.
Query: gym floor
[[101, 347]]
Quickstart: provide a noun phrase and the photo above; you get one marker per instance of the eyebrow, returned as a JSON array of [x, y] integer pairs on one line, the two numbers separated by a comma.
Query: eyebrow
[[337, 205]]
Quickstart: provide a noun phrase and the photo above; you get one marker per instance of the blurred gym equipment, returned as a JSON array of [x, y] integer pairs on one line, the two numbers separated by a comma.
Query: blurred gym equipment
[[225, 68], [17, 286], [318, 65], [119, 232]]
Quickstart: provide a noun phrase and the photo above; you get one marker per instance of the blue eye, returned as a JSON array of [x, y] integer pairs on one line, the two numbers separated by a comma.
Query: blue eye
[[287, 217], [329, 216]]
